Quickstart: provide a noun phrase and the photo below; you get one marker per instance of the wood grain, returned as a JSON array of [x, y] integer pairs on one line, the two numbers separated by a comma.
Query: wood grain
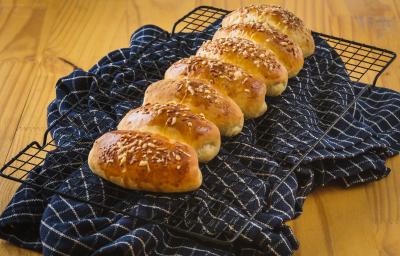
[[36, 37]]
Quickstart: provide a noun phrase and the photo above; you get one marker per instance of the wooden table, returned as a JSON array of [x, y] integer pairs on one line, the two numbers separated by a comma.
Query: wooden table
[[38, 40]]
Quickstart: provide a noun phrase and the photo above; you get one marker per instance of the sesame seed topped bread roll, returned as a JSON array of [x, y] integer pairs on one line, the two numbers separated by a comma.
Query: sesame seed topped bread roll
[[278, 17], [158, 146], [145, 161], [247, 91], [267, 37], [201, 98], [177, 122], [258, 62]]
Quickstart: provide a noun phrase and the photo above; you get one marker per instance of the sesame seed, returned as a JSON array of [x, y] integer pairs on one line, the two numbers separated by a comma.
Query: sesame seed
[[173, 121], [237, 74], [143, 163], [185, 153], [190, 89]]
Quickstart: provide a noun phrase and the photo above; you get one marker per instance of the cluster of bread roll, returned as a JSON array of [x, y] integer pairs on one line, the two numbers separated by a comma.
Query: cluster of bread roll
[[157, 146]]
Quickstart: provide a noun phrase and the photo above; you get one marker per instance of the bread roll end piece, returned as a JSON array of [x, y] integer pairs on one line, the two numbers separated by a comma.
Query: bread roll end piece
[[145, 161], [276, 89]]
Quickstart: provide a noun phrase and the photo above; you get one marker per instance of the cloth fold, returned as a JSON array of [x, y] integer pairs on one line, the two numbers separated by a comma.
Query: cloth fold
[[244, 174]]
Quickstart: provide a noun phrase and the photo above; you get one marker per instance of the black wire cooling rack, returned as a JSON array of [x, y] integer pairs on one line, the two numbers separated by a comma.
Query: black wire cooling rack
[[363, 63]]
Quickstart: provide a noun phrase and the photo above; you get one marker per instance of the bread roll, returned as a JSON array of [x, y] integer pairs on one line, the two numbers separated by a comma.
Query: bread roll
[[247, 91], [278, 17], [201, 98], [171, 120], [145, 161], [258, 62], [267, 37]]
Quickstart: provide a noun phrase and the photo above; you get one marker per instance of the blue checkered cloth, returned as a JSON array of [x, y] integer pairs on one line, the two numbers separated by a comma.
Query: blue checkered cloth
[[89, 103]]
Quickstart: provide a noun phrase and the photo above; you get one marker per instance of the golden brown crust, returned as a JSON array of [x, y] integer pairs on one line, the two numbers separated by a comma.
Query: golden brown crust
[[278, 17], [267, 37], [256, 61], [285, 16], [145, 161], [200, 97], [177, 122], [247, 91]]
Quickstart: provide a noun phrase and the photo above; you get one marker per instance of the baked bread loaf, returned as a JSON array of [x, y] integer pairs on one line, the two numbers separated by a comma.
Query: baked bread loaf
[[267, 37], [175, 121], [278, 17], [157, 146], [145, 161], [201, 98], [247, 91], [258, 62]]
